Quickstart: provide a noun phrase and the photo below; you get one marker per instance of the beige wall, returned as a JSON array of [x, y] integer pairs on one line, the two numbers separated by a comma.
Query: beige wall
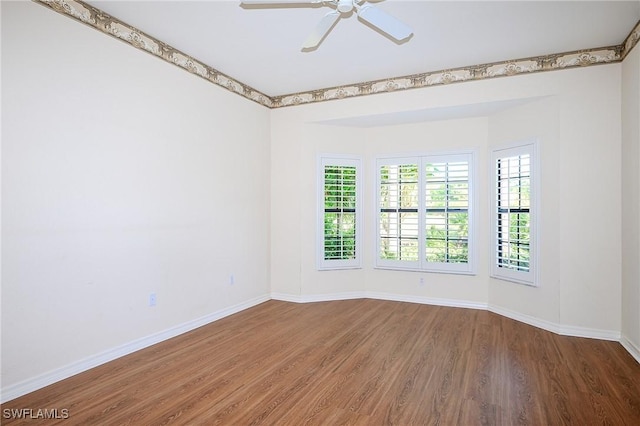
[[574, 115], [579, 135], [631, 201], [121, 176]]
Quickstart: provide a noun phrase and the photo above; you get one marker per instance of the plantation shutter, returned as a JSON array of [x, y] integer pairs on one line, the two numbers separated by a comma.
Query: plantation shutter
[[513, 213], [339, 214], [425, 213]]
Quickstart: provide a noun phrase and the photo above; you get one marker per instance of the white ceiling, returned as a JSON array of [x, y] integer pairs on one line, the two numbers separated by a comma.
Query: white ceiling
[[261, 47]]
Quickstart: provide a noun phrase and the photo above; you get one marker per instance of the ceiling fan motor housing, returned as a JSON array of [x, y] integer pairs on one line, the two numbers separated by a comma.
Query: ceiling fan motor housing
[[345, 6]]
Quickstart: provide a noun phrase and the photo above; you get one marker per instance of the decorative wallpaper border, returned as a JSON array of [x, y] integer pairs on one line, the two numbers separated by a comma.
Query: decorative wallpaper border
[[457, 75], [110, 25], [631, 40]]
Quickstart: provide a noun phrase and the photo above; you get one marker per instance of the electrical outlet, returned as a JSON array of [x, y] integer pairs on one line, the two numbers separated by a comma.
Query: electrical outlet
[[152, 299], [421, 281], [232, 279]]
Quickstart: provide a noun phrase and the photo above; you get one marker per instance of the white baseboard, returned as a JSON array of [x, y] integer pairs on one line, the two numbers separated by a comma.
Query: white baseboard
[[633, 349], [38, 382], [564, 330], [325, 297], [534, 321], [30, 385], [591, 333], [454, 303]]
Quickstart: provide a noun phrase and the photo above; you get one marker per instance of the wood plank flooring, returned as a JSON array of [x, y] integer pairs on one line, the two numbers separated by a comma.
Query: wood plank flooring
[[360, 362]]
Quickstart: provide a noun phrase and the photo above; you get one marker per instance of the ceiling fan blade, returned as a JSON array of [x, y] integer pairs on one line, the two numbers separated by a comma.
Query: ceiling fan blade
[[267, 2], [385, 22], [322, 29]]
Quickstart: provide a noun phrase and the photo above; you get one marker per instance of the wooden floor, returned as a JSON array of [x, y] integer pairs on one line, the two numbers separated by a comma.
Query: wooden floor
[[366, 362]]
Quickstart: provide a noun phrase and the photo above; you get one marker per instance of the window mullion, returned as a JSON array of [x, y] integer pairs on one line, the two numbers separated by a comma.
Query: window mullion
[[518, 217], [446, 212], [500, 200], [399, 209], [422, 216], [507, 216], [341, 208]]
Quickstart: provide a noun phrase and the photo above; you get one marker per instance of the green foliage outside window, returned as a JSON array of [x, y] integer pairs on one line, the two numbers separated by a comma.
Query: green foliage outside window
[[514, 202], [339, 212], [447, 212], [446, 202], [399, 212]]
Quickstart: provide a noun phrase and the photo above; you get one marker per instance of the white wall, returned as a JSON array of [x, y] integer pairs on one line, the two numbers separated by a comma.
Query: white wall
[[434, 136], [575, 116], [537, 121], [631, 201], [434, 119], [298, 141], [121, 175], [579, 134], [590, 295]]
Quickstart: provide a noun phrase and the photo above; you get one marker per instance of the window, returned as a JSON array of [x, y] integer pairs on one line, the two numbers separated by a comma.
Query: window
[[447, 212], [425, 219], [514, 216], [399, 224], [339, 215]]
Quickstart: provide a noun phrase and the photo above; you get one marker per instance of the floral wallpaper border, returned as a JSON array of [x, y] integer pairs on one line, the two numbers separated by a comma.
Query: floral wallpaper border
[[631, 40], [107, 24]]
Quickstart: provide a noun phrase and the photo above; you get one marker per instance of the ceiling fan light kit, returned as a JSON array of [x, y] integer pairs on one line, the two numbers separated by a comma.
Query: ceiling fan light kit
[[368, 13]]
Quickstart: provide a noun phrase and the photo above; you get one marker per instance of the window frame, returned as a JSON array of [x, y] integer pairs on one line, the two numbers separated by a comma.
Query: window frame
[[323, 264], [515, 149], [421, 264]]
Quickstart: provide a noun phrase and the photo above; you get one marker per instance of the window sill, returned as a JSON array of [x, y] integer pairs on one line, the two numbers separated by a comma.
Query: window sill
[[428, 271], [514, 280]]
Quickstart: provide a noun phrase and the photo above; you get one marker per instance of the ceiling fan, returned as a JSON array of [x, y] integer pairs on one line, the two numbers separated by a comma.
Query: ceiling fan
[[375, 17]]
